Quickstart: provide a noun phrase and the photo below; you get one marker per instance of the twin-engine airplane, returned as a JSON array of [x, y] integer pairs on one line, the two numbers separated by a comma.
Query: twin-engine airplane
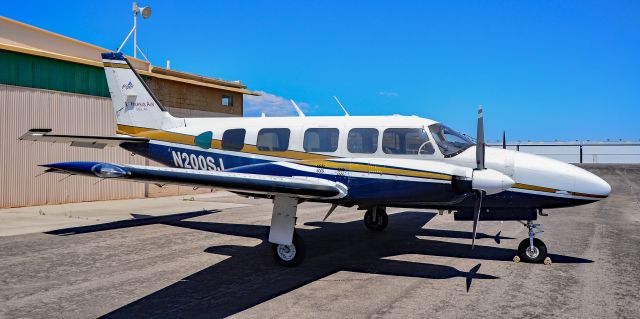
[[371, 162]]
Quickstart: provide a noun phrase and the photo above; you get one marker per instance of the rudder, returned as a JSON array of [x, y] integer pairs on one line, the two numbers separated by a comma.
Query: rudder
[[133, 102]]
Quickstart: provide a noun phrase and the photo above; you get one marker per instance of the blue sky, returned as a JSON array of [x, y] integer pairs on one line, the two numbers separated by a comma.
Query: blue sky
[[544, 70]]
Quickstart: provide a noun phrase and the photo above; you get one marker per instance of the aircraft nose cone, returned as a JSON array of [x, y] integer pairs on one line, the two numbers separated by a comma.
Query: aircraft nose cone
[[592, 184]]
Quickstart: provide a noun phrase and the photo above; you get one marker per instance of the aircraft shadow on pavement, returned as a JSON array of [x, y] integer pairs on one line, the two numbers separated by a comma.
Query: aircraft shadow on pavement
[[137, 220], [250, 277]]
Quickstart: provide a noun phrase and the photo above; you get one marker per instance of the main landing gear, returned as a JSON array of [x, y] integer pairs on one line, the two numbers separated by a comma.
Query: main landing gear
[[287, 246], [376, 218], [532, 249], [289, 255]]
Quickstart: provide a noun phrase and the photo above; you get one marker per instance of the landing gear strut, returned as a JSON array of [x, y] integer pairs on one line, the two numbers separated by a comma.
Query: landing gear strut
[[287, 246], [376, 218], [532, 249]]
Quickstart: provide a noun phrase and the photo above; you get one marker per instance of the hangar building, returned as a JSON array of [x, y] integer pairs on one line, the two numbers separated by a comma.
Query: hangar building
[[51, 81]]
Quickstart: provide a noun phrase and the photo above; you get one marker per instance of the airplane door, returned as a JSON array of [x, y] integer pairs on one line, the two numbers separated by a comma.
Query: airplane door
[[362, 174]]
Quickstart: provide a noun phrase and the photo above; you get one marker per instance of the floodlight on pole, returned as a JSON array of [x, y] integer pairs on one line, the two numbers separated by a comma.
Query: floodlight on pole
[[145, 12]]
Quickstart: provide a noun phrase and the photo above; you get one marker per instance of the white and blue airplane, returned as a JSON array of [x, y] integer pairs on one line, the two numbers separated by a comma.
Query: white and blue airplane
[[372, 162]]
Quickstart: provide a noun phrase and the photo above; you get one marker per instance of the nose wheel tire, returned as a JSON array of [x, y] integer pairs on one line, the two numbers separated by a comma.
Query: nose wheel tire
[[535, 254], [289, 255], [377, 221]]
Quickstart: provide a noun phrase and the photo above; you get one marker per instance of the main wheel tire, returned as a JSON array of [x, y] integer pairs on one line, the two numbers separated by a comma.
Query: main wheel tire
[[535, 255], [381, 221], [289, 255]]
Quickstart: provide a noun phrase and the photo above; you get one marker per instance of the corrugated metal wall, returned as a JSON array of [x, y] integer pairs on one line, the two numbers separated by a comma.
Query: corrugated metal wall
[[24, 108], [44, 73], [26, 102]]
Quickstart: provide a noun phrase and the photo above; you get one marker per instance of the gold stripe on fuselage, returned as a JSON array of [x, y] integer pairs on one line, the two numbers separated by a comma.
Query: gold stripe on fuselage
[[554, 191], [534, 188], [369, 168], [309, 159], [172, 137], [316, 160], [587, 195]]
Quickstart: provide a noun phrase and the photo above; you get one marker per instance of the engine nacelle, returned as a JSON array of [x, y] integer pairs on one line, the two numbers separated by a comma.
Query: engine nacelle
[[491, 181]]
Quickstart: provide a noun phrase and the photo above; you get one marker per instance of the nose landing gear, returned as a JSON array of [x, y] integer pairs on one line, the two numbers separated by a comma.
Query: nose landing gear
[[532, 249]]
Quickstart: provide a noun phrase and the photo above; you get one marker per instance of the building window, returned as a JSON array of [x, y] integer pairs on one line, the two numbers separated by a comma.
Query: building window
[[408, 141], [227, 100], [363, 140], [273, 139], [233, 140], [321, 140]]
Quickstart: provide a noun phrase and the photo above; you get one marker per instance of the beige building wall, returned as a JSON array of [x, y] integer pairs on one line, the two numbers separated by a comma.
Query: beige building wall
[[194, 101], [21, 108], [25, 108]]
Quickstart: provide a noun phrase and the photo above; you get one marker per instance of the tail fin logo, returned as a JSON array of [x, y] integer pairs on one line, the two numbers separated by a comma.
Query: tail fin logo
[[127, 86]]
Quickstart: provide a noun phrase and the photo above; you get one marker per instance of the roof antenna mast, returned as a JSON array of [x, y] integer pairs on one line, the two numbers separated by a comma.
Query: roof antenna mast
[[145, 12], [345, 110], [300, 114]]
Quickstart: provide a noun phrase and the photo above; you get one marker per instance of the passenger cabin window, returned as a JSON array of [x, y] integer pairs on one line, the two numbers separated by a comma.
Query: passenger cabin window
[[227, 100], [273, 139], [363, 140], [406, 141], [321, 140], [233, 140]]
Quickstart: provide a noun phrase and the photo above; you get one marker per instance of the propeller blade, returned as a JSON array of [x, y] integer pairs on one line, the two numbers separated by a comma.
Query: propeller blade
[[480, 141], [476, 216], [504, 140]]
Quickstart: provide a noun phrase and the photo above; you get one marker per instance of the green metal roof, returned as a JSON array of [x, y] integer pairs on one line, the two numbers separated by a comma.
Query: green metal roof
[[21, 69]]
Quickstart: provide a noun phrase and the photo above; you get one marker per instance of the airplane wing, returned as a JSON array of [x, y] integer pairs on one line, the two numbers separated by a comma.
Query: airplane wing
[[298, 186], [43, 135]]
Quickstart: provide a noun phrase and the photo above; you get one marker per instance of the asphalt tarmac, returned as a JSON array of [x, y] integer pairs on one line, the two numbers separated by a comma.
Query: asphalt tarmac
[[215, 263]]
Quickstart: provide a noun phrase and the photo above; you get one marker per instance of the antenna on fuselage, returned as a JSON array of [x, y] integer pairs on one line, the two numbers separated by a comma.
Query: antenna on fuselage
[[504, 140], [300, 114], [345, 110]]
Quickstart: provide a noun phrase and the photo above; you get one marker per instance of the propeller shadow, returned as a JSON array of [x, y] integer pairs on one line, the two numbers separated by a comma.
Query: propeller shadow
[[444, 233], [249, 278]]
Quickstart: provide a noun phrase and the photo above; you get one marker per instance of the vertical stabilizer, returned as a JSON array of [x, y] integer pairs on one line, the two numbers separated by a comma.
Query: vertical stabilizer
[[133, 103]]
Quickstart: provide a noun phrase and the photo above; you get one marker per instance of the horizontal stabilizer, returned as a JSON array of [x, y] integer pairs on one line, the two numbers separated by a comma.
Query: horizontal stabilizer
[[303, 187], [43, 135]]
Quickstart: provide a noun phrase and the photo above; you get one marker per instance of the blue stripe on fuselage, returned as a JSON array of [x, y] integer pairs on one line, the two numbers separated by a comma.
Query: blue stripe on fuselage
[[181, 157], [361, 189]]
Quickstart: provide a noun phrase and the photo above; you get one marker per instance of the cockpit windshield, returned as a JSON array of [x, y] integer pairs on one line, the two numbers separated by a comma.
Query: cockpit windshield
[[450, 142]]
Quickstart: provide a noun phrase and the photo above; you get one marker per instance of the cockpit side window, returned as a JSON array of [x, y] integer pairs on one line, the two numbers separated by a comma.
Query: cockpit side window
[[406, 141], [450, 142]]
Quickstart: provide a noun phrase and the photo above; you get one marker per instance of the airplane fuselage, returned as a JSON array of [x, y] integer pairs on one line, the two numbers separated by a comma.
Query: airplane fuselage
[[382, 160]]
